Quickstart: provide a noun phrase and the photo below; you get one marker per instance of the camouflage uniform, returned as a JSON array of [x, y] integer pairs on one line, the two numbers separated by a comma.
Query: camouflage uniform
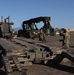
[[41, 36], [66, 39]]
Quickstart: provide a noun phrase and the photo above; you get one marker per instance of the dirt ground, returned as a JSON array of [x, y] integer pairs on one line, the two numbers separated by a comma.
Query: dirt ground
[[64, 68], [50, 70]]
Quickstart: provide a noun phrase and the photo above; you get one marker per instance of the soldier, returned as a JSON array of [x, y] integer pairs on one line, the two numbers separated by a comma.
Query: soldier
[[66, 38], [41, 35]]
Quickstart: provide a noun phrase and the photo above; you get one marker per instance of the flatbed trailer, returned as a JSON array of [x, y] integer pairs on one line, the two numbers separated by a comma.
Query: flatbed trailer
[[15, 50]]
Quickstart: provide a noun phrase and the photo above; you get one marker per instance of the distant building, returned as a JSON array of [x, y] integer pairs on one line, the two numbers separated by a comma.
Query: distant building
[[71, 29]]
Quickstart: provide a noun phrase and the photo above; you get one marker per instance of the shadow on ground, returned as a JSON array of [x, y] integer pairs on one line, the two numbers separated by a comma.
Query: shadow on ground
[[2, 72], [71, 46], [55, 63], [62, 67], [1, 65]]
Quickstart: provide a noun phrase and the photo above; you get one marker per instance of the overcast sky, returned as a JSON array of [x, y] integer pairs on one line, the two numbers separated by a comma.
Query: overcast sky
[[60, 11]]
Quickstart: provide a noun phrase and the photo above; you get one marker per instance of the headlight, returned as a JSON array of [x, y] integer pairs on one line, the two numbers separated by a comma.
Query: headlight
[[35, 33]]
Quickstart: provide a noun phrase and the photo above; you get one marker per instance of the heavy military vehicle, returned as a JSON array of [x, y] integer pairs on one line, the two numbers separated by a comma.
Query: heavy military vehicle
[[6, 27], [30, 29], [17, 53], [38, 54]]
